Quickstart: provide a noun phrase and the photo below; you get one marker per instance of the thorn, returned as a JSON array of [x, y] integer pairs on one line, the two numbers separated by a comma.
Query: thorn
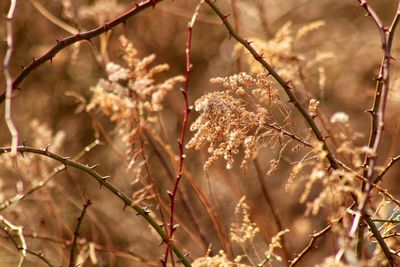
[[104, 178], [22, 67], [89, 40], [146, 211], [153, 3], [137, 5], [169, 193], [106, 27], [260, 56], [78, 36], [162, 242], [47, 150], [124, 208], [124, 23], [33, 60], [174, 227], [225, 17], [248, 41], [370, 111], [94, 166], [326, 137], [230, 37], [186, 254]]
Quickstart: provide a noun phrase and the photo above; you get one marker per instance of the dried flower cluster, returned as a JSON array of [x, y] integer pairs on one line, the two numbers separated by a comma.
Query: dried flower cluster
[[281, 54], [238, 117], [243, 232], [131, 96]]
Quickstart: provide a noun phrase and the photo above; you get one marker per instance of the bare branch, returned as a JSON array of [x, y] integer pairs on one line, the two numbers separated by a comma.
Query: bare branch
[[8, 78]]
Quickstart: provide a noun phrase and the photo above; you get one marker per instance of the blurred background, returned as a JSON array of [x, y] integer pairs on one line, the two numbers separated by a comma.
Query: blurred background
[[46, 111]]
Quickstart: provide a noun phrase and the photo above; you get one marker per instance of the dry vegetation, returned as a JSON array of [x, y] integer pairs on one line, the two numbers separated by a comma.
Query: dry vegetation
[[199, 133]]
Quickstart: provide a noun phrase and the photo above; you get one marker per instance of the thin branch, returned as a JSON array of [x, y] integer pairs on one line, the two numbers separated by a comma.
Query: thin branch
[[83, 36], [41, 256], [19, 230], [8, 78], [271, 205], [384, 171], [103, 181], [53, 19], [310, 246], [280, 129], [76, 233], [386, 221], [181, 142], [279, 79]]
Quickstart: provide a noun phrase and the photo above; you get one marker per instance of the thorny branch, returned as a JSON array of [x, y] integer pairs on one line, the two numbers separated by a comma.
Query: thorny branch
[[83, 36], [13, 200], [310, 246], [7, 75], [385, 170], [181, 142], [76, 233], [103, 181]]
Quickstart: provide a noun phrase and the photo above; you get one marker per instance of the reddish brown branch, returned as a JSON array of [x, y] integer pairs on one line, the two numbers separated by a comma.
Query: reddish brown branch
[[76, 233], [385, 170], [181, 142], [310, 246], [82, 36]]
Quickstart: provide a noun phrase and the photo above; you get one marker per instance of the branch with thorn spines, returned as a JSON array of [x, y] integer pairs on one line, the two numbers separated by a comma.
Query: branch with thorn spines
[[82, 36], [104, 182]]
